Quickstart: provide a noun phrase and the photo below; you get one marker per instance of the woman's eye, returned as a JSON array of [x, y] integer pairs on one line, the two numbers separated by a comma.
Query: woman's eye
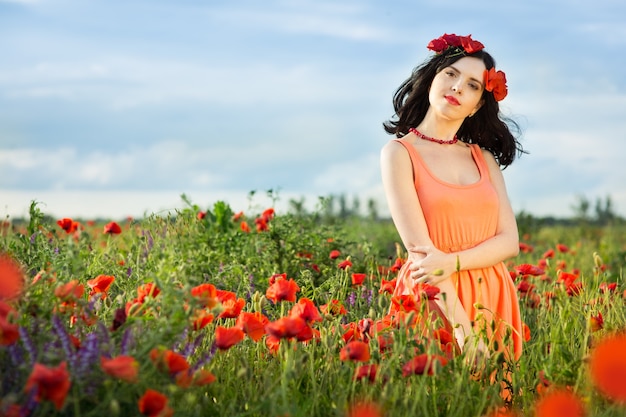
[[474, 87]]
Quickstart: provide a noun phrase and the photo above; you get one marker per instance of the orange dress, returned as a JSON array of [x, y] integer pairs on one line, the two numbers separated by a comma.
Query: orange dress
[[460, 217]]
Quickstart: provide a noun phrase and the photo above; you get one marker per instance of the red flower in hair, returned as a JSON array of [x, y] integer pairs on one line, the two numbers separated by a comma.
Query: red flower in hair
[[495, 82], [446, 41]]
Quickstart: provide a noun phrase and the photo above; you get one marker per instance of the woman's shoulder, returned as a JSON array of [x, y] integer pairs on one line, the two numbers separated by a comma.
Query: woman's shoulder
[[394, 148]]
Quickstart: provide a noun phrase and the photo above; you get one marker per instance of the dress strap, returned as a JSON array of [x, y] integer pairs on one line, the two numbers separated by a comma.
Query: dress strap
[[412, 154]]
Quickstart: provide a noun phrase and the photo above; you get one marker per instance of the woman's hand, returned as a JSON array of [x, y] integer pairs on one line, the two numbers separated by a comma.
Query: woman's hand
[[430, 265]]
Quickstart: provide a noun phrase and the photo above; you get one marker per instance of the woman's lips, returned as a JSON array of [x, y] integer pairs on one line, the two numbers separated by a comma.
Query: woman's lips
[[452, 100]]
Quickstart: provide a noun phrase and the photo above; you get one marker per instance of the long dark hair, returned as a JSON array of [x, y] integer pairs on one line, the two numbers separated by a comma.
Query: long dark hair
[[487, 128]]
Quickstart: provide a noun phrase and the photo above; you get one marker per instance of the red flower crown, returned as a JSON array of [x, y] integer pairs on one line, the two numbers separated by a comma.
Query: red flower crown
[[495, 81]]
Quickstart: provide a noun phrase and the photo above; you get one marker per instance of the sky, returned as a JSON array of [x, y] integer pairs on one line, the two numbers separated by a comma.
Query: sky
[[115, 108]]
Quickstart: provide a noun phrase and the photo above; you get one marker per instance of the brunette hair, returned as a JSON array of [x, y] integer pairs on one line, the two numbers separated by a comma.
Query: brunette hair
[[487, 127]]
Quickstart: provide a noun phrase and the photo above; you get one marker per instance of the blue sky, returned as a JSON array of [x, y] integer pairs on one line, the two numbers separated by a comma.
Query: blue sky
[[114, 108]]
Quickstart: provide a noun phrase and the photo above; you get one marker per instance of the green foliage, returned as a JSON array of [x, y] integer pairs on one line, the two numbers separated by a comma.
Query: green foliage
[[196, 246]]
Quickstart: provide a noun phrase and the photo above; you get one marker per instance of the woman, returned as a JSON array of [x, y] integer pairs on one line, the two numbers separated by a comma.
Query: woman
[[447, 196]]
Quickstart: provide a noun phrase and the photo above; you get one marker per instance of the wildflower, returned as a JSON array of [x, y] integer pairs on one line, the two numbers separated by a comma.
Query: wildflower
[[423, 363], [244, 227], [9, 332], [70, 291], [122, 367], [355, 351], [68, 225], [608, 367], [231, 308], [51, 384], [358, 278], [345, 264], [168, 360], [525, 247], [426, 291], [526, 331], [203, 377], [306, 309], [334, 254], [237, 216], [112, 228], [252, 324], [206, 295], [282, 290], [387, 286], [261, 224], [548, 254], [333, 308], [559, 402], [227, 337], [596, 322], [528, 269], [364, 409], [368, 371], [286, 327], [201, 215], [201, 318], [562, 248], [154, 404], [11, 278], [147, 290], [100, 285], [608, 287]]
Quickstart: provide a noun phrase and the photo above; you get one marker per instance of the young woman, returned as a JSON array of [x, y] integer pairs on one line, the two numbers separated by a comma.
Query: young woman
[[447, 195]]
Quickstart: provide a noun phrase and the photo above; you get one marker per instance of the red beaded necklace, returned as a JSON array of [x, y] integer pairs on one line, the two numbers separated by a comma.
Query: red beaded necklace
[[423, 136]]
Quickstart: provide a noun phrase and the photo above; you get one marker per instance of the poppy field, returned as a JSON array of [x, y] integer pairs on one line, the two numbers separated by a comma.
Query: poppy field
[[213, 311]]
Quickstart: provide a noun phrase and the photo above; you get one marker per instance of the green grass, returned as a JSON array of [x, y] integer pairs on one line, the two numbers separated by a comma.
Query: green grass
[[180, 252]]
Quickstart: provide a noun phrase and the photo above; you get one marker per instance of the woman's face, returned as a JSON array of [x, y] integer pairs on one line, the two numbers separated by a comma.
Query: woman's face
[[457, 89]]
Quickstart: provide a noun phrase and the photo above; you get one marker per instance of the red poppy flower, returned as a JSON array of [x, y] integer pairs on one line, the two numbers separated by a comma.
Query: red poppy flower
[[154, 404], [405, 303], [11, 278], [206, 294], [261, 224], [526, 248], [608, 367], [122, 367], [227, 337], [252, 324], [285, 327], [548, 254], [562, 248], [70, 291], [282, 290], [201, 215], [231, 308], [528, 269], [333, 308], [559, 402], [112, 228], [68, 225], [426, 291], [356, 350], [51, 384], [9, 332], [526, 331], [100, 285], [237, 216], [147, 290], [203, 377], [368, 371], [358, 278], [245, 227], [423, 363], [387, 286], [608, 287], [334, 254], [397, 265], [272, 343], [201, 318], [345, 264], [596, 322], [306, 310], [168, 360], [365, 409]]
